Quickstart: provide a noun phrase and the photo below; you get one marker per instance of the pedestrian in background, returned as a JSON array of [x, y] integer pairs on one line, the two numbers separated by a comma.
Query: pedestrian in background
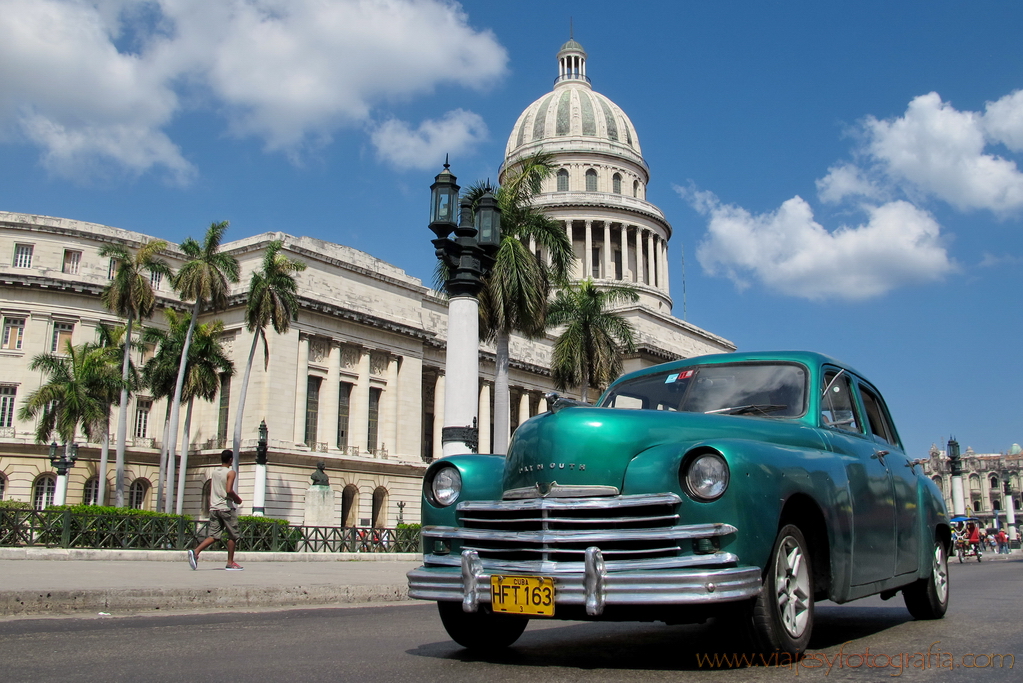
[[223, 513]]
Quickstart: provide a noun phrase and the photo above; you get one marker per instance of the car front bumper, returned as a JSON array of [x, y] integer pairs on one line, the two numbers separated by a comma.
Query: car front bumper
[[593, 585]]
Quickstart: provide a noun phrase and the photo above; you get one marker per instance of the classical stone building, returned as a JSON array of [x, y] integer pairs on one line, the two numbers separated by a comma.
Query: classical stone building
[[358, 382], [984, 479]]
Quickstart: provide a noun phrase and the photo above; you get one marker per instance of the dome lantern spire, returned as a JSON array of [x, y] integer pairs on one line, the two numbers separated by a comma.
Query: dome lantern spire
[[572, 64]]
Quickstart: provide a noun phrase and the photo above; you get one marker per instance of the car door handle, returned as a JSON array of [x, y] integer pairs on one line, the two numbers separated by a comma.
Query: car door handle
[[880, 455]]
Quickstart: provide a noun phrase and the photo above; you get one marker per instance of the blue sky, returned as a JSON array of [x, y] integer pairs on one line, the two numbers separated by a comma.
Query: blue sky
[[842, 177]]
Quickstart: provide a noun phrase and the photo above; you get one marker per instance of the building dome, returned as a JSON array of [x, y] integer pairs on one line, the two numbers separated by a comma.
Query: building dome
[[574, 116]]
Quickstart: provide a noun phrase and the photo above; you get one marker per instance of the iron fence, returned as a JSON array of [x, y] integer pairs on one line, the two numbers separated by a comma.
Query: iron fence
[[66, 529]]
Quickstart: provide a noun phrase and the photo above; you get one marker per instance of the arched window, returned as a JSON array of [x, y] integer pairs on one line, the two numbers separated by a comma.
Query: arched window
[[994, 482], [616, 183], [90, 494], [379, 507], [349, 505], [207, 490], [137, 494], [591, 180], [3, 485], [562, 180], [635, 188], [43, 491]]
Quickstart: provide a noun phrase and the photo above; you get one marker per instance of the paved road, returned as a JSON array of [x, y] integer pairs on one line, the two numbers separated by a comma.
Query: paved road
[[405, 642]]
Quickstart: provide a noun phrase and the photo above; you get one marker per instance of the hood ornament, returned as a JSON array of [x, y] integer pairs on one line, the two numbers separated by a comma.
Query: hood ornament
[[556, 402]]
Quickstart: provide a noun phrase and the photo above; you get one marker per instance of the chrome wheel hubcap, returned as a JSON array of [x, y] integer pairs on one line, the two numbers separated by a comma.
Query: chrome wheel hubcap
[[792, 586], [940, 572]]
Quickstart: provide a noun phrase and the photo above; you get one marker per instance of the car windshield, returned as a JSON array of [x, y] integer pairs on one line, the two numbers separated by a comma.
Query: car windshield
[[761, 389]]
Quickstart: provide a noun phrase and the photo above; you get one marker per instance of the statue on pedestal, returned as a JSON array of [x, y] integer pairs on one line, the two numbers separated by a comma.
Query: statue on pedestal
[[319, 477]]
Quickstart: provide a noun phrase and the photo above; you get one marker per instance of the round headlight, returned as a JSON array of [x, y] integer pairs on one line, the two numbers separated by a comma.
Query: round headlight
[[446, 485], [706, 477]]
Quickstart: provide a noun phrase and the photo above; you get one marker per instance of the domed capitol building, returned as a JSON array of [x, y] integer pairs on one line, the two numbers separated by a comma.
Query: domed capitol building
[[358, 381]]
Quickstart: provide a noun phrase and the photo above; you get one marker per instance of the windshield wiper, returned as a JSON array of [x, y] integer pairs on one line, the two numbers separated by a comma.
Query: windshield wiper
[[752, 408]]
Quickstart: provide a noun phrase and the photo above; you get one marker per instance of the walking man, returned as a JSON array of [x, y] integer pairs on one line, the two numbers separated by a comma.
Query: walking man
[[223, 514]]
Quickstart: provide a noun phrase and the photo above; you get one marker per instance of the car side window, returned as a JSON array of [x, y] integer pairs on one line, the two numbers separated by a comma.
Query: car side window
[[838, 410], [877, 417]]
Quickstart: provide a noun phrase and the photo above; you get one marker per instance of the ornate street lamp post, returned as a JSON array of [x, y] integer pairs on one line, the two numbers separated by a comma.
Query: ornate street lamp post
[[259, 495], [958, 501], [62, 462], [468, 258]]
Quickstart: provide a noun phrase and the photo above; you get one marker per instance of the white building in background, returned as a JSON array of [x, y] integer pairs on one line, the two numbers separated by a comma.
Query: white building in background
[[358, 382]]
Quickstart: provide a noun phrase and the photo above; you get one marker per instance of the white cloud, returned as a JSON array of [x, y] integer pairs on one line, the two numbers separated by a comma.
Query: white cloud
[[424, 147], [936, 150], [788, 251], [290, 72]]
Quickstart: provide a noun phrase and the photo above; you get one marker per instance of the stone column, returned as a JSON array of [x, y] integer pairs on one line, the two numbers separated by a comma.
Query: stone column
[[541, 407], [389, 433], [410, 408], [523, 406], [301, 389], [438, 414], [330, 397], [640, 271], [651, 259], [588, 251], [484, 418], [625, 252], [664, 266], [358, 411], [609, 261]]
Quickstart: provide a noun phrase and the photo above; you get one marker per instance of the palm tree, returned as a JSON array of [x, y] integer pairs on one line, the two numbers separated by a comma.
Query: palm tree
[[73, 396], [518, 287], [208, 366], [204, 279], [272, 301], [130, 294], [111, 352], [589, 350]]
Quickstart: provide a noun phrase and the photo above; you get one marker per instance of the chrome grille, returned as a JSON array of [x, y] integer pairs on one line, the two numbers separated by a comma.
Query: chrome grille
[[636, 527]]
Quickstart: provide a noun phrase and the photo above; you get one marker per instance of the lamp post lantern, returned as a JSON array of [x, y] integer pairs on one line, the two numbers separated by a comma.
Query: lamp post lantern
[[259, 495], [62, 459], [958, 500], [467, 258]]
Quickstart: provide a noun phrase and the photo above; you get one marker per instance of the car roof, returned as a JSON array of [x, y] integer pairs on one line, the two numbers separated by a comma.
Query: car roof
[[809, 358]]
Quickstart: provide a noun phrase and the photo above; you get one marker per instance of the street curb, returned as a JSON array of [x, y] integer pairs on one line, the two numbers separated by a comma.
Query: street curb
[[17, 603], [78, 554]]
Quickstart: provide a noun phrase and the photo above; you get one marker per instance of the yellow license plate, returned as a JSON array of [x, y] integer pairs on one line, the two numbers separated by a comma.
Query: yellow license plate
[[532, 595]]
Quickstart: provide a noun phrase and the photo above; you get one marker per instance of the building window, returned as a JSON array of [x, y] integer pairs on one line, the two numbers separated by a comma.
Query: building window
[[3, 486], [155, 279], [43, 491], [142, 409], [595, 262], [635, 188], [591, 180], [22, 255], [112, 269], [344, 403], [14, 333], [72, 261], [7, 396], [137, 494], [562, 180], [312, 410], [61, 336], [207, 491], [90, 495], [224, 412], [349, 505], [374, 418], [379, 507], [618, 264], [616, 183]]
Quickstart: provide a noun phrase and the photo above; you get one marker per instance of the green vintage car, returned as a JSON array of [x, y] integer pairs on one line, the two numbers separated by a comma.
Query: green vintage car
[[744, 486]]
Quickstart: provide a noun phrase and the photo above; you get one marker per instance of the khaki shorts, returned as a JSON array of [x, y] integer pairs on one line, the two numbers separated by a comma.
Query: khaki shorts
[[222, 521]]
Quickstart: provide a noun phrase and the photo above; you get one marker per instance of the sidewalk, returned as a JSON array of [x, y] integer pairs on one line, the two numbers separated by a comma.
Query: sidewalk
[[37, 581]]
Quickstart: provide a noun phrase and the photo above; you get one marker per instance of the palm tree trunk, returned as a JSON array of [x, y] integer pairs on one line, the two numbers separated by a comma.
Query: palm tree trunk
[[184, 458], [176, 405], [502, 397], [585, 392], [236, 444], [160, 486], [168, 498], [122, 418], [104, 459]]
